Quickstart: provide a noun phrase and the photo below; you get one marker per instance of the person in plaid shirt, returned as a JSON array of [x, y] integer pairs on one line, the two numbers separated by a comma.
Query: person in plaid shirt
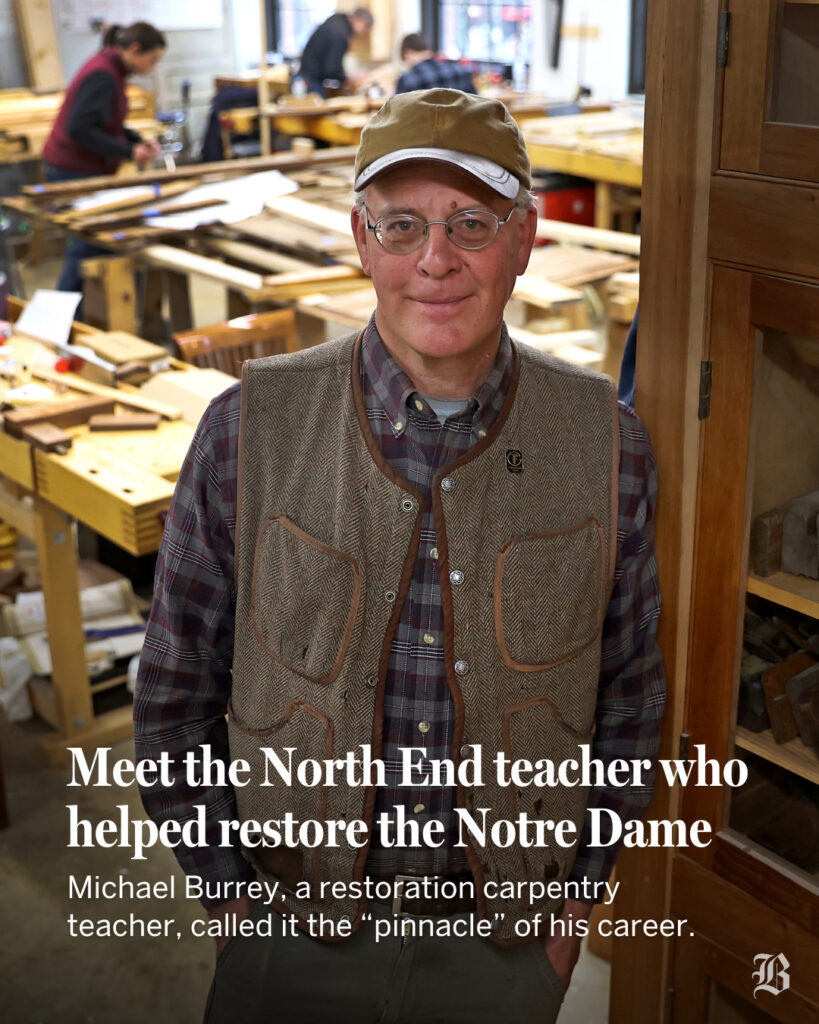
[[423, 536], [425, 72]]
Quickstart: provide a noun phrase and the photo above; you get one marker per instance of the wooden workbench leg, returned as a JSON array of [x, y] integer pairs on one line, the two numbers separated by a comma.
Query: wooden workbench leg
[[237, 304], [179, 301], [153, 328], [602, 205], [58, 568], [116, 276], [310, 330]]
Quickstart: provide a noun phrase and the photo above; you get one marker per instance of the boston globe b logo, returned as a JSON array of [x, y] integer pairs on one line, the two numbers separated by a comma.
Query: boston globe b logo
[[772, 975]]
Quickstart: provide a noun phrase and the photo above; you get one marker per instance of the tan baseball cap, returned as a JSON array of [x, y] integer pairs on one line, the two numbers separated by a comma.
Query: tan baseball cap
[[472, 132]]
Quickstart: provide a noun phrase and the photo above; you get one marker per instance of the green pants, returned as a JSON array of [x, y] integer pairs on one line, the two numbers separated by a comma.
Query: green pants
[[399, 979]]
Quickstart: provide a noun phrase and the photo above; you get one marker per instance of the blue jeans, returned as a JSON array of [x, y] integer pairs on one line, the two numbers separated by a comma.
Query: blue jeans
[[76, 249]]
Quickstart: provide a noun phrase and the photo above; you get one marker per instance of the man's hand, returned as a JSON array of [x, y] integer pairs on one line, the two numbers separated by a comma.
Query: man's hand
[[563, 950], [240, 906], [144, 152]]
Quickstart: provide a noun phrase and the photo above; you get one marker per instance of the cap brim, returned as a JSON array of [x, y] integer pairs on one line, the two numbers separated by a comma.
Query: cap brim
[[490, 173]]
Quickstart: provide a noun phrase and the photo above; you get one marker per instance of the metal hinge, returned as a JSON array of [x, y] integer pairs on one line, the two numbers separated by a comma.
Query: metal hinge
[[685, 744], [723, 38], [669, 1006], [705, 389]]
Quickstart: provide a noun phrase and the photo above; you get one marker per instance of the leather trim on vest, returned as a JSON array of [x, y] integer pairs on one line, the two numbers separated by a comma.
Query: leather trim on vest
[[602, 603]]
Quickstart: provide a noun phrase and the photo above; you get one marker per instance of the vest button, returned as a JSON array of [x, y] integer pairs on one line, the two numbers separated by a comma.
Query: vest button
[[447, 484], [495, 926], [464, 751], [407, 505], [456, 577], [461, 667], [371, 681], [389, 596]]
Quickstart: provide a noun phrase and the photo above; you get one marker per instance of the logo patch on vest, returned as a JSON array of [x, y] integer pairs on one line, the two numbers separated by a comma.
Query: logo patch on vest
[[514, 460]]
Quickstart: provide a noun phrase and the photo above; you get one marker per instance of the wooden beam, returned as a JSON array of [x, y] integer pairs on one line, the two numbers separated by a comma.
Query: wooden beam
[[123, 395], [596, 238], [191, 263], [222, 168], [35, 26]]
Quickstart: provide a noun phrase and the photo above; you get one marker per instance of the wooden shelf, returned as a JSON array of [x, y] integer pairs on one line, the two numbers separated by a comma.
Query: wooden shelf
[[796, 592], [793, 755]]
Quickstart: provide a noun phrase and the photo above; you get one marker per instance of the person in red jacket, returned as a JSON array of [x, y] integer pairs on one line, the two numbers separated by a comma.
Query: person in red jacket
[[89, 136]]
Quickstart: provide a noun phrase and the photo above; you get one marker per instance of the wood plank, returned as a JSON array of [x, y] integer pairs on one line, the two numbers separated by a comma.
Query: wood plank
[[57, 560], [105, 730], [597, 238], [764, 224], [311, 214], [679, 129], [719, 567], [796, 592], [123, 395], [35, 27], [16, 512], [256, 256], [790, 151], [793, 755], [59, 414], [223, 168], [191, 263], [125, 421]]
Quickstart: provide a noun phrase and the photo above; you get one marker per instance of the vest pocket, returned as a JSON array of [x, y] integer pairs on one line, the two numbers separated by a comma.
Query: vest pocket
[[304, 600], [302, 728], [534, 730], [549, 595]]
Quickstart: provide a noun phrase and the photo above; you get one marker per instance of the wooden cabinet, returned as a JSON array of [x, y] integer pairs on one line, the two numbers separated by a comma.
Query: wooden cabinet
[[771, 88], [728, 384]]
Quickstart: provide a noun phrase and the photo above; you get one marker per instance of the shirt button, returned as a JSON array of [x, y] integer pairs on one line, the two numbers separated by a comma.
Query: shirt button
[[447, 484], [419, 405], [398, 426], [429, 638], [461, 667], [389, 596], [456, 577], [433, 553], [407, 505], [423, 727], [418, 808], [481, 432]]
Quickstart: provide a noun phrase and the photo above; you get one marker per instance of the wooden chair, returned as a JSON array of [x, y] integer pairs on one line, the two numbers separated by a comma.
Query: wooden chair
[[225, 346]]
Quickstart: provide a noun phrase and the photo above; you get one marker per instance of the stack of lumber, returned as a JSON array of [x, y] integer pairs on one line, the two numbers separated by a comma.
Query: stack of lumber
[[610, 134], [26, 118]]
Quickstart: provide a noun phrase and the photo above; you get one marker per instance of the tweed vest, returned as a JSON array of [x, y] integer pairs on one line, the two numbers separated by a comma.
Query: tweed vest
[[326, 539]]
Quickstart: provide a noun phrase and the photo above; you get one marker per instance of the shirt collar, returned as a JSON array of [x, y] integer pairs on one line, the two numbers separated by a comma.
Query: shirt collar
[[393, 388]]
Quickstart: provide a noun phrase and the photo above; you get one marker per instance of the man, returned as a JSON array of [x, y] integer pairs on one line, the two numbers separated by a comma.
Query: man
[[443, 544], [425, 72], [323, 54]]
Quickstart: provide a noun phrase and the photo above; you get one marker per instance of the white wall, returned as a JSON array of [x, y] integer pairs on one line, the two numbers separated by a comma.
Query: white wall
[[600, 63]]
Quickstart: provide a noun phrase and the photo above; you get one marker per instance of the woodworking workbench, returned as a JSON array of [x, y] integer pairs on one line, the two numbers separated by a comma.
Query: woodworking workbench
[[118, 482], [605, 147], [26, 118]]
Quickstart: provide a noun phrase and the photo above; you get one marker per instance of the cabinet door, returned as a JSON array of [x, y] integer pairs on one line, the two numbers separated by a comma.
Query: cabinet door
[[770, 112], [760, 451]]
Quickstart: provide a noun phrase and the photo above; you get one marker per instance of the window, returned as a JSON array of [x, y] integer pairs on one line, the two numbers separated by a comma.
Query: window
[[290, 23], [487, 31]]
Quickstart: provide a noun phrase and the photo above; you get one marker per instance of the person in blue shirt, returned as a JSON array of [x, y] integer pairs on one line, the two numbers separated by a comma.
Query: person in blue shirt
[[425, 72]]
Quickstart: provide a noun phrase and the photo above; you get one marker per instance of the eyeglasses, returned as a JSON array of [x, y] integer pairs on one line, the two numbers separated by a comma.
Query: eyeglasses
[[402, 233]]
